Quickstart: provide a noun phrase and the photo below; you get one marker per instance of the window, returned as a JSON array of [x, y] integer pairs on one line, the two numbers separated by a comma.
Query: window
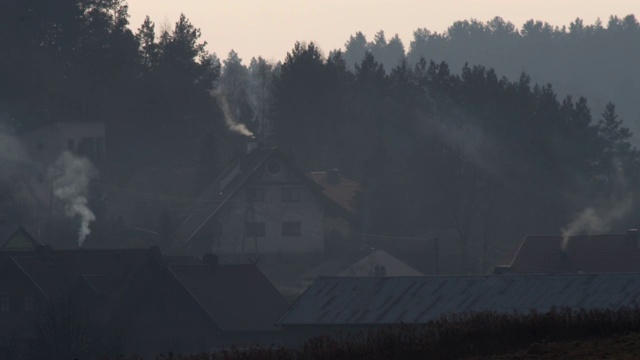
[[4, 303], [255, 194], [291, 194], [28, 303], [255, 229], [291, 228], [379, 270]]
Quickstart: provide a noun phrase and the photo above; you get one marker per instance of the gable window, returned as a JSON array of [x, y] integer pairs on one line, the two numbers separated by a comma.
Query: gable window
[[255, 229], [379, 270], [255, 194], [291, 228], [5, 305], [290, 194], [28, 303]]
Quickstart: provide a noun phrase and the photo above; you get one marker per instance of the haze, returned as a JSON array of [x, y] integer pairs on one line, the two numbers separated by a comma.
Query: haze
[[269, 29]]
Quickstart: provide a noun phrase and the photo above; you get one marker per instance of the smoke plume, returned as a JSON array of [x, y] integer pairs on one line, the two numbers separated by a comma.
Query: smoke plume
[[71, 177], [229, 119], [598, 219]]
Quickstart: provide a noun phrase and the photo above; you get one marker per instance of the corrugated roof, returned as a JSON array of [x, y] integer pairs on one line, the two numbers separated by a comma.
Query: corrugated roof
[[415, 300], [584, 253], [236, 297]]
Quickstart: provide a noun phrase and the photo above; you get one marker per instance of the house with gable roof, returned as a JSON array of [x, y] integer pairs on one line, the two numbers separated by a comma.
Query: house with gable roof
[[553, 254], [262, 204]]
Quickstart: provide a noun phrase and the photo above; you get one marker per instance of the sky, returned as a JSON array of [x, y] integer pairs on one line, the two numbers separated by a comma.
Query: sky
[[270, 28]]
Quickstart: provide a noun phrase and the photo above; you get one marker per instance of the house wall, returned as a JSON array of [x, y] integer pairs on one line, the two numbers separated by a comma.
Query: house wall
[[272, 211]]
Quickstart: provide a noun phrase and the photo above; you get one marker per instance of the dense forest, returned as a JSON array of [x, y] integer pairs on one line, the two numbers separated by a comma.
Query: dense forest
[[462, 133]]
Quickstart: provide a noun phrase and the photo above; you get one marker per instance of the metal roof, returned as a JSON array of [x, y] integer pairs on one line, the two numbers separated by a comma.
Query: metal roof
[[419, 299]]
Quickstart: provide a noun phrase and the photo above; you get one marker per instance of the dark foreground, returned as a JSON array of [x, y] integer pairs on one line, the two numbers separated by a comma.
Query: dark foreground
[[559, 334]]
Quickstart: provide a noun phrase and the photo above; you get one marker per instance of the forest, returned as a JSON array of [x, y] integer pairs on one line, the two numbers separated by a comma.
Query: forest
[[487, 130]]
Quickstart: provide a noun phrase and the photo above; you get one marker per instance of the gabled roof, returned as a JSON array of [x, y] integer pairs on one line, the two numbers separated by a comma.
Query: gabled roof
[[392, 265], [361, 265], [16, 237], [236, 297], [342, 192], [214, 197], [584, 253], [417, 300]]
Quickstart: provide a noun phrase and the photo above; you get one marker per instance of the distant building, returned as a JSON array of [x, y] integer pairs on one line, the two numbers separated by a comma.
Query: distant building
[[552, 254], [376, 263], [46, 143]]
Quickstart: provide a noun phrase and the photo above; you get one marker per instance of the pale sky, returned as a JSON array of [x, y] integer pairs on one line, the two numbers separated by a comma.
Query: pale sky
[[270, 28]]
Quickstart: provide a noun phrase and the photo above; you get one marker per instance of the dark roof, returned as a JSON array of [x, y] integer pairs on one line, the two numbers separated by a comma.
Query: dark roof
[[584, 253], [342, 193], [103, 270], [236, 297], [417, 300]]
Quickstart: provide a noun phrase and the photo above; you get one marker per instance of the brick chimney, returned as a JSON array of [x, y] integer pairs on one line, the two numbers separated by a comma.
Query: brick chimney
[[252, 144]]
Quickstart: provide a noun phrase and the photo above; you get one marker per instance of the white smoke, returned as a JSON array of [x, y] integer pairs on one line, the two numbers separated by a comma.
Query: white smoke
[[598, 219], [71, 176], [229, 119]]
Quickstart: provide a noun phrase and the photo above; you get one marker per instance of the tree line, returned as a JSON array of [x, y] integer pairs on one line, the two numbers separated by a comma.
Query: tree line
[[438, 145]]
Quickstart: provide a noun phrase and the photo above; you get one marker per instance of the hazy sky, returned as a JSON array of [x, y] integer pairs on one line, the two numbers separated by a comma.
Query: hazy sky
[[270, 28]]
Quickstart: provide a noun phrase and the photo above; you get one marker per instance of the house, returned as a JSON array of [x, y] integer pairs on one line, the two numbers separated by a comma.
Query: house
[[551, 254], [140, 300], [363, 303], [262, 204], [376, 263]]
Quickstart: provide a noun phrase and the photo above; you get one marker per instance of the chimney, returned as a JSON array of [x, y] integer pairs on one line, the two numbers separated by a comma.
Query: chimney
[[632, 237], [333, 177], [210, 260], [252, 144]]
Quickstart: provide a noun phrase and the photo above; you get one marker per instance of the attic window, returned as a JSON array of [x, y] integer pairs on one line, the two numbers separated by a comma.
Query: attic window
[[4, 304], [290, 194], [273, 167], [379, 270]]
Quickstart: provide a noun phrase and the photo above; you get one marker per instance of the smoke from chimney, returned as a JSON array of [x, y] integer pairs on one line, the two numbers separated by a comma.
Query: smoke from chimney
[[229, 119], [71, 176], [598, 219]]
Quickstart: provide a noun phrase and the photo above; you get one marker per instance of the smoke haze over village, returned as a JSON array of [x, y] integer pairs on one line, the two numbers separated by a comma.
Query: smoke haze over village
[[328, 179]]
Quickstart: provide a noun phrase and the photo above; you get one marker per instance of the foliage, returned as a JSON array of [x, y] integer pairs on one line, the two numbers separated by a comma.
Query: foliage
[[452, 337]]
